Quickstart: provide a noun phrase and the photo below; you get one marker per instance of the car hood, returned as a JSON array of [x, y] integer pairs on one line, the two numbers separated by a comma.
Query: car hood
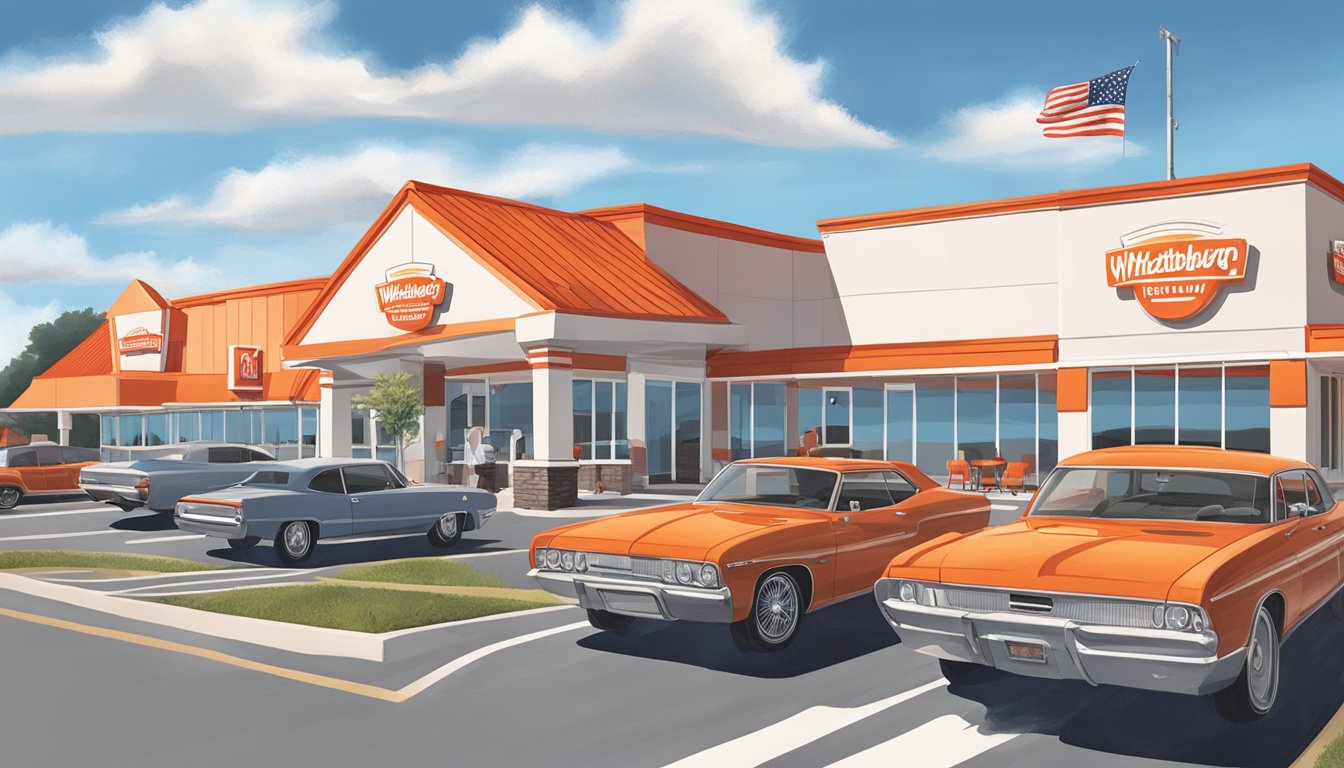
[[686, 531], [1131, 558]]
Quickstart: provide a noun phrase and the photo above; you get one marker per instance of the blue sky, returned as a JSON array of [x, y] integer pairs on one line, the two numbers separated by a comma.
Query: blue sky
[[212, 144]]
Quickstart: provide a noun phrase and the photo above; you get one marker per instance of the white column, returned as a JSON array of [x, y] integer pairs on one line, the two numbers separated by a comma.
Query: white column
[[1075, 434], [636, 427], [334, 430], [1288, 433], [552, 404], [64, 422]]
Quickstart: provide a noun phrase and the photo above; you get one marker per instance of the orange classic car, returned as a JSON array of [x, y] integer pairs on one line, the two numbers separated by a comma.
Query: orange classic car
[[41, 469], [766, 542], [1167, 568]]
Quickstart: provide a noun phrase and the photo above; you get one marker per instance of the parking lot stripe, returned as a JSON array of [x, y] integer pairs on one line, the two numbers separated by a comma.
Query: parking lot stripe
[[56, 514], [180, 574], [791, 733], [482, 554], [447, 669], [44, 536], [940, 743], [334, 683], [228, 580], [159, 539]]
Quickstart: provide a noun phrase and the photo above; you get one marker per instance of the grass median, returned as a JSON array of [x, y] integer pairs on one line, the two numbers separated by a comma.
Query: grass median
[[431, 571], [104, 561], [1333, 756], [357, 608]]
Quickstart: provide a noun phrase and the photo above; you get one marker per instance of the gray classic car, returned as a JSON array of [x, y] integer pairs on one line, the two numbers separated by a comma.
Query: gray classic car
[[161, 475], [295, 503]]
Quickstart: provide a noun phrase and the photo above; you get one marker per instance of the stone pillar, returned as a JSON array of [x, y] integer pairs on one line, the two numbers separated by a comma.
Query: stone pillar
[[550, 479]]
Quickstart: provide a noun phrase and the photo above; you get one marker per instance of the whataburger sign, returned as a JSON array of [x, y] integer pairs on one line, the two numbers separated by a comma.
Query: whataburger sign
[[410, 295], [140, 340], [1176, 268]]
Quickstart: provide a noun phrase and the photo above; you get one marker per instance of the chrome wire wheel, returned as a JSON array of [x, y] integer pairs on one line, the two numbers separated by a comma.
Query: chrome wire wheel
[[448, 526], [297, 540], [9, 497], [1262, 663], [777, 607]]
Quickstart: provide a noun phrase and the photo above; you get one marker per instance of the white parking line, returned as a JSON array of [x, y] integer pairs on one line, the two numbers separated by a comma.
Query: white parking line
[[180, 574], [43, 536], [57, 514], [176, 585], [482, 554], [447, 669], [791, 733], [940, 743], [157, 539]]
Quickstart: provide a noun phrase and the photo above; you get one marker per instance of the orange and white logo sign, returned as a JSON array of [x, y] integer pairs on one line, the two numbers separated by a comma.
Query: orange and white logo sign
[[1337, 260], [410, 295], [1176, 268], [140, 340], [245, 368]]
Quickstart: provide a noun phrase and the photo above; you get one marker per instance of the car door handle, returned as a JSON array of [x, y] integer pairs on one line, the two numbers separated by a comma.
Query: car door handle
[[354, 499], [899, 513], [1320, 527]]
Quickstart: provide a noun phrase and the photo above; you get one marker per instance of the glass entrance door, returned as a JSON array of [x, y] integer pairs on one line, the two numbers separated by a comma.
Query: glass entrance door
[[672, 430]]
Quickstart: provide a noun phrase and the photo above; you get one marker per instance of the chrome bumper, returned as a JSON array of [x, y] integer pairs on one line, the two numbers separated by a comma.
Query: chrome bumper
[[1151, 659], [210, 525], [636, 597], [112, 493]]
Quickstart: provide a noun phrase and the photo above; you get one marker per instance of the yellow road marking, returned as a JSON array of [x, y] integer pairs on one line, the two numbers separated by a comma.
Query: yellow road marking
[[323, 681]]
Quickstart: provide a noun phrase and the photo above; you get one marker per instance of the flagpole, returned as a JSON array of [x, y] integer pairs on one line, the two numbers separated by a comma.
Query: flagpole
[[1170, 39]]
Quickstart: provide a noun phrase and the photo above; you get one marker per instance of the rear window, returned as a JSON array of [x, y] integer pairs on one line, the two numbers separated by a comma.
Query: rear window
[[268, 478], [225, 454], [328, 481], [255, 455]]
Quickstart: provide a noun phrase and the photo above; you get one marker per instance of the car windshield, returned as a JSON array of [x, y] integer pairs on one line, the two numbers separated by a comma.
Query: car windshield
[[773, 485], [1154, 494]]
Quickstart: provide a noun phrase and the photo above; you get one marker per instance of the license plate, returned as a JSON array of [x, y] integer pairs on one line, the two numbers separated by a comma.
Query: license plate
[[1026, 652]]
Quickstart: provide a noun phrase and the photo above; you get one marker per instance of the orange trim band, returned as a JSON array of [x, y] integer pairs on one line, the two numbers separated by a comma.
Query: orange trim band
[[700, 225], [1071, 390], [1195, 185], [218, 502], [1287, 383], [1325, 338], [471, 370], [1025, 350]]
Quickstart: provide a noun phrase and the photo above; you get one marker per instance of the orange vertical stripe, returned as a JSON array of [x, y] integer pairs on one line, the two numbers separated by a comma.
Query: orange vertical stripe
[[1288, 383], [1072, 390]]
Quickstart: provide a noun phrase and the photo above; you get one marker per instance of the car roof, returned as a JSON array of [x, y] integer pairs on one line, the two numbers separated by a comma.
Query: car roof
[[1184, 457], [306, 465]]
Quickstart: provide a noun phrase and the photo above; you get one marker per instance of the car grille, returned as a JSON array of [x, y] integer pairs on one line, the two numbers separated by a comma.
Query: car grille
[[620, 565], [1080, 608]]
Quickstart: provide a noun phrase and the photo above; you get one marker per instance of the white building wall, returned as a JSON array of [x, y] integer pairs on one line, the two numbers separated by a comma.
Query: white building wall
[[1324, 222]]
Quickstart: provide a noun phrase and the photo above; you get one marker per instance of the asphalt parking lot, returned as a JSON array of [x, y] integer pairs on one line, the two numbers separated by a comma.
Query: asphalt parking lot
[[545, 689]]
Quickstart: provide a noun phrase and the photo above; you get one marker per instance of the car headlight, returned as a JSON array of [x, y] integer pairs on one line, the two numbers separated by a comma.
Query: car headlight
[[552, 558], [580, 561], [539, 557], [1178, 617], [709, 575], [908, 592], [567, 560], [1159, 613], [685, 573]]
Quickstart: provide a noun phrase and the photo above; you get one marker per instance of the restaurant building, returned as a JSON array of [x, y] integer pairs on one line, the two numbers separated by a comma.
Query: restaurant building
[[636, 345]]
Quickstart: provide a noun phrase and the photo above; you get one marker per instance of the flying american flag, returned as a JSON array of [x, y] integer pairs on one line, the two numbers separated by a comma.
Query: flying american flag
[[1093, 108]]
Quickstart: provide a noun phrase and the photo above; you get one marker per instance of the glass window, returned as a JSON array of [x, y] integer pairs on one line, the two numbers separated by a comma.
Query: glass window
[[1155, 406], [510, 409], [359, 427], [583, 417], [867, 489], [250, 454], [49, 456], [1048, 425], [225, 454], [739, 420], [934, 411], [108, 433], [774, 486], [1247, 407], [1201, 398], [131, 429], [188, 426], [268, 477], [809, 412], [365, 478], [327, 481], [768, 415], [212, 425], [899, 487], [19, 457], [156, 429], [238, 426], [1289, 488], [658, 429], [308, 432], [835, 417], [622, 436], [1017, 419], [868, 418], [1111, 409], [281, 430], [975, 417], [901, 424], [603, 406], [687, 418]]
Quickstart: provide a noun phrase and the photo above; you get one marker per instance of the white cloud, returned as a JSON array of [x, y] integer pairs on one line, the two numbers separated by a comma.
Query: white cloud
[[715, 67], [312, 190], [1005, 133], [42, 252], [19, 320]]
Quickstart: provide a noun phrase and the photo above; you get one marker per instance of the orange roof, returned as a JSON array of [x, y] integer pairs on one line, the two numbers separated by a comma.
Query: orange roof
[[1182, 457], [139, 296], [90, 357], [652, 214], [1195, 185], [558, 261]]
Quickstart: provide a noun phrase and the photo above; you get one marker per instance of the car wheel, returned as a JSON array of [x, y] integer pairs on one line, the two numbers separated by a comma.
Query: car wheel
[[447, 531], [294, 542], [9, 497], [776, 612], [1253, 694], [247, 542], [607, 620], [965, 672]]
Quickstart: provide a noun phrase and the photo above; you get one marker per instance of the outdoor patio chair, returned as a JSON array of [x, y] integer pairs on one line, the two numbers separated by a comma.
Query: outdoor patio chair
[[958, 471], [1014, 477]]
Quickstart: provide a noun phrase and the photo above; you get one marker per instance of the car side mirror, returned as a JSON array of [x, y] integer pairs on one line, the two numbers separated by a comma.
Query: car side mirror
[[1299, 509], [855, 506]]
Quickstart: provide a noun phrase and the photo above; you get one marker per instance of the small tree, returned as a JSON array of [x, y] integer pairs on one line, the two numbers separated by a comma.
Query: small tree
[[397, 405]]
